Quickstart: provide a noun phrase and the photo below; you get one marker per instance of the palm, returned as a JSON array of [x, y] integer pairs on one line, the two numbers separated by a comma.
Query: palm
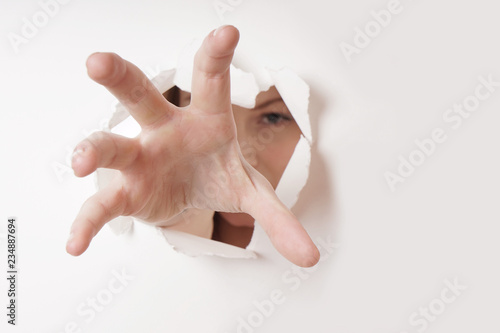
[[183, 158], [195, 153]]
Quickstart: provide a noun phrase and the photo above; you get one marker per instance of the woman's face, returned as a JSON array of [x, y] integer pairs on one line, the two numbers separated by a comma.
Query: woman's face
[[267, 135]]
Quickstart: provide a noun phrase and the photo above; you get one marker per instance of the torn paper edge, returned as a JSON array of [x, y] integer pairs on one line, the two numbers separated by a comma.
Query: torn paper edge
[[244, 90], [194, 246], [295, 94]]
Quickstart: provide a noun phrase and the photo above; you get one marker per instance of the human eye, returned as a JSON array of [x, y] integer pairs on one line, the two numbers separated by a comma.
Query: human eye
[[274, 118]]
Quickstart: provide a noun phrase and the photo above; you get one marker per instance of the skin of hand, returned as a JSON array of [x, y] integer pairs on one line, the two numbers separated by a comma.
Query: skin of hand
[[183, 158]]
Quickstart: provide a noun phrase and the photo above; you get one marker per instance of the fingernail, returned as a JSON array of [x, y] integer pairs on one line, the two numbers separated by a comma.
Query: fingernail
[[76, 154], [219, 29], [77, 151]]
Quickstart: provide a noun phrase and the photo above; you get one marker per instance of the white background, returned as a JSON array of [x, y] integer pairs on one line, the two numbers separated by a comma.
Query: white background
[[394, 250]]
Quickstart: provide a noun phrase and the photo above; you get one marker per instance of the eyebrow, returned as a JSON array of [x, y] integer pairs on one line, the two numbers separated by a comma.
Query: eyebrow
[[260, 106], [269, 102]]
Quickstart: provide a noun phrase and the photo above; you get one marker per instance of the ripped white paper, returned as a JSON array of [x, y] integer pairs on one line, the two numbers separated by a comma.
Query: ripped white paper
[[192, 245]]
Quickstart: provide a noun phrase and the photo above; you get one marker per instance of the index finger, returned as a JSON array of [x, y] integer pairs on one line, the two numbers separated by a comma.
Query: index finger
[[210, 87]]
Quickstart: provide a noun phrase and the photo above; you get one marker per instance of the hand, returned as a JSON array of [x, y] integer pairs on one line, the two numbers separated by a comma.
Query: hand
[[171, 164]]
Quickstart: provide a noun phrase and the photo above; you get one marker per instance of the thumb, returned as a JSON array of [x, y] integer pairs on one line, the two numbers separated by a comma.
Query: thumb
[[285, 231]]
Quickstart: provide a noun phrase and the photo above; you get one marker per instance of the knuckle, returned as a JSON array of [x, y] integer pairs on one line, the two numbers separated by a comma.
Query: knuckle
[[138, 92], [97, 137], [104, 146], [96, 140]]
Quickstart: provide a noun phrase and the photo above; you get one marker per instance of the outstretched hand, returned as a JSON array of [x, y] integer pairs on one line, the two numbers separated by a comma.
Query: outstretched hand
[[167, 167]]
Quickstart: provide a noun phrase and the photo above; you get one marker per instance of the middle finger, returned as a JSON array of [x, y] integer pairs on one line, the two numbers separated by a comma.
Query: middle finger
[[131, 87]]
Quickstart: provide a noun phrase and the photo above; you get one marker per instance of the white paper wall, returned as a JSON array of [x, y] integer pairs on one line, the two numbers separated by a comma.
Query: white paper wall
[[388, 256]]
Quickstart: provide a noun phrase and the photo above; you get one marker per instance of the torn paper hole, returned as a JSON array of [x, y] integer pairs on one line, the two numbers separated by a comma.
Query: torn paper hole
[[244, 89]]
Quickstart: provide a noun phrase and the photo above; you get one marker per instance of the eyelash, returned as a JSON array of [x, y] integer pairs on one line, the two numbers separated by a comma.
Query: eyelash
[[266, 118]]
